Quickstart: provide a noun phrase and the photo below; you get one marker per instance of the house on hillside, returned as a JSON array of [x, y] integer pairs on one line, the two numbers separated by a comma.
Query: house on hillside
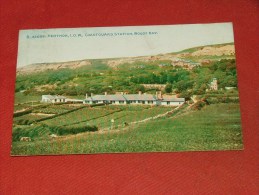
[[106, 99], [143, 99], [53, 98], [140, 99], [214, 84], [69, 100]]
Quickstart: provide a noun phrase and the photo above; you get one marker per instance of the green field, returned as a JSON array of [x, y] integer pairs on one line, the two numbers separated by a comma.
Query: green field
[[214, 127]]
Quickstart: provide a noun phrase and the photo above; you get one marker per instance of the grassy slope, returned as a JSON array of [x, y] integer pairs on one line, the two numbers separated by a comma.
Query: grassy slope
[[216, 127], [21, 98]]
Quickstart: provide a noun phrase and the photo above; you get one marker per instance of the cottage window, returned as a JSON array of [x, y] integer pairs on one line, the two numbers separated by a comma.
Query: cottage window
[[121, 102], [168, 103]]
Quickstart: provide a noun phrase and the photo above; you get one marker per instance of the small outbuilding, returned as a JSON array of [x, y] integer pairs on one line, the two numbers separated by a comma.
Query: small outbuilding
[[172, 101], [53, 98]]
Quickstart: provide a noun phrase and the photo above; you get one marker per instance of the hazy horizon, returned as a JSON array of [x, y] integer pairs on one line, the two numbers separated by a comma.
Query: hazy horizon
[[57, 45]]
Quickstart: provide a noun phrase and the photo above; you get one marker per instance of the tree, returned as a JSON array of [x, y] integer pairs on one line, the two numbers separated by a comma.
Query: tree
[[184, 85], [140, 88], [201, 90], [168, 88]]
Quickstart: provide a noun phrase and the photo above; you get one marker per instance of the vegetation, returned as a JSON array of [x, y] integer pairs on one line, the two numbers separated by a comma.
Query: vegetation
[[42, 131], [209, 122], [128, 78], [214, 127]]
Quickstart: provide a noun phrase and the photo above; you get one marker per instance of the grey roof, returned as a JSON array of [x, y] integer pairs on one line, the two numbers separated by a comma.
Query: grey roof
[[115, 97], [173, 100], [52, 97], [140, 97], [119, 97], [131, 97]]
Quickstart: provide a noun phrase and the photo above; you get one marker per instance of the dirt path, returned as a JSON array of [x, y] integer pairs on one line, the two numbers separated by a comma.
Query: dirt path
[[41, 114]]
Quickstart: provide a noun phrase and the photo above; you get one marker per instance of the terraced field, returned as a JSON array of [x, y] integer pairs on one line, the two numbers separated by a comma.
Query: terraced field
[[215, 127], [26, 106], [72, 119], [102, 116], [30, 117], [55, 109]]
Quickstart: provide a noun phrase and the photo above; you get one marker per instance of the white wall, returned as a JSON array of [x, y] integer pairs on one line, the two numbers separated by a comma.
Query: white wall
[[118, 103], [171, 103], [176, 103]]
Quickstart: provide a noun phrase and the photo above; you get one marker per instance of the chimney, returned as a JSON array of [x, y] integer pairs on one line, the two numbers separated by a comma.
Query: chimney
[[105, 93], [86, 96], [160, 95], [139, 92]]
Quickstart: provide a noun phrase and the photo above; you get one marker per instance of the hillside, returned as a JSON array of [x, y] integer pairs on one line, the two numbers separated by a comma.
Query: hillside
[[184, 73], [39, 67], [188, 57]]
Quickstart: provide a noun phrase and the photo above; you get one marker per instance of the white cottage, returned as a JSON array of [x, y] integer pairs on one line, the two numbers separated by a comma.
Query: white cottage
[[106, 99], [123, 99], [53, 98]]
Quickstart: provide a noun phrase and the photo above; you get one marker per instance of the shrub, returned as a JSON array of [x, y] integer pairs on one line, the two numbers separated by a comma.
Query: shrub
[[74, 130], [33, 132], [22, 113], [24, 122], [17, 134], [198, 105], [168, 88]]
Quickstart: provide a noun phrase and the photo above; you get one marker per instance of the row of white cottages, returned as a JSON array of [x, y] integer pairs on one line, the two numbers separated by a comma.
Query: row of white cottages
[[118, 99]]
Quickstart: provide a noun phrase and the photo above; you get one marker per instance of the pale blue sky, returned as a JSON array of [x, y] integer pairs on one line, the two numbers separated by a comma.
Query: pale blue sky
[[169, 38]]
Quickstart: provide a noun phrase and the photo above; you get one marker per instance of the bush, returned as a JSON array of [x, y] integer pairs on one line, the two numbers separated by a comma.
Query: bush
[[198, 105], [17, 134], [186, 94], [74, 130], [24, 122], [168, 88], [22, 113], [34, 132], [215, 100]]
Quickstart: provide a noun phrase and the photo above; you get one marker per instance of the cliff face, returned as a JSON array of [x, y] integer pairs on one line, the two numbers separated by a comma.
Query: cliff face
[[52, 66], [215, 51]]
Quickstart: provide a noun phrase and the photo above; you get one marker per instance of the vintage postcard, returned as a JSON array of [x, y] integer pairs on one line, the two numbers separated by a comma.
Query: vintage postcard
[[162, 88]]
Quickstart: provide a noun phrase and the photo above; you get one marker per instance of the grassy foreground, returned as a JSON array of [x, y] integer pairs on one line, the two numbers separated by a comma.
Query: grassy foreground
[[215, 127]]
